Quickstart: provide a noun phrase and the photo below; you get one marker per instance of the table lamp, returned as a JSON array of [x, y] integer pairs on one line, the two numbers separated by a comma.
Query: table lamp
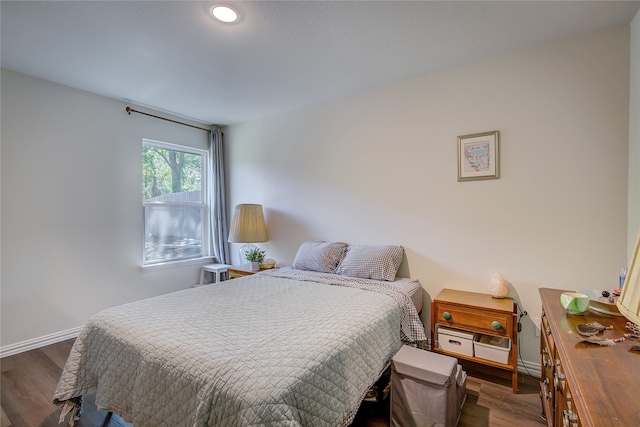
[[247, 226]]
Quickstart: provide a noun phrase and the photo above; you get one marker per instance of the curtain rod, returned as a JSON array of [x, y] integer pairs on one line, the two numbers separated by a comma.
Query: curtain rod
[[131, 110]]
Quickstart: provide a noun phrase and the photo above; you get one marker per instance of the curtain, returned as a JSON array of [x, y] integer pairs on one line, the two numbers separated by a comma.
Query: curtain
[[218, 205]]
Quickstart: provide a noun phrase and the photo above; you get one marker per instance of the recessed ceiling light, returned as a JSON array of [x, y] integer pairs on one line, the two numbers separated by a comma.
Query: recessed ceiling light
[[224, 13]]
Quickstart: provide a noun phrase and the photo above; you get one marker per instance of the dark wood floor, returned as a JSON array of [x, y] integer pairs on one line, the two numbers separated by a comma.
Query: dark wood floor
[[29, 380]]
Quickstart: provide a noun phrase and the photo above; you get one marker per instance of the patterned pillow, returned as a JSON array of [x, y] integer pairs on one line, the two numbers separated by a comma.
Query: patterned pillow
[[318, 255], [371, 262]]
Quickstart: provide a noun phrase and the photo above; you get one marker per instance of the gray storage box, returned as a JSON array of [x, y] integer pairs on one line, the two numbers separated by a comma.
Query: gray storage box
[[427, 389], [461, 381]]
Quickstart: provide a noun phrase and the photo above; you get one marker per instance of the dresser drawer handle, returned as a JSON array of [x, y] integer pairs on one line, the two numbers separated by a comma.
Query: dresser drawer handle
[[446, 315], [496, 325]]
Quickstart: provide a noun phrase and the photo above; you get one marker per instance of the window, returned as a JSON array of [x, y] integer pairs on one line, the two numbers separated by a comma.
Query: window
[[174, 200]]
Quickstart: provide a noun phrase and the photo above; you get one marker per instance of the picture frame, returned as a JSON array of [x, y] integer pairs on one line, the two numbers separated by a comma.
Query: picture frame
[[479, 156]]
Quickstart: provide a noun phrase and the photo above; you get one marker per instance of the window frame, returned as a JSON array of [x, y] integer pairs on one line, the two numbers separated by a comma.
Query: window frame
[[205, 204]]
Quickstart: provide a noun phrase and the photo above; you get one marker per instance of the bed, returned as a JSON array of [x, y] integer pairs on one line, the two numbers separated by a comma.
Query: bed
[[290, 346]]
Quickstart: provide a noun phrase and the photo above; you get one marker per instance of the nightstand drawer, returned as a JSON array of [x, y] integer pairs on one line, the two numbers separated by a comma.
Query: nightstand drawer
[[477, 320], [237, 272]]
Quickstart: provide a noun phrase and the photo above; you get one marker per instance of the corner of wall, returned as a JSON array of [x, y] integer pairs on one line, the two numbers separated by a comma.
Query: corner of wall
[[633, 199]]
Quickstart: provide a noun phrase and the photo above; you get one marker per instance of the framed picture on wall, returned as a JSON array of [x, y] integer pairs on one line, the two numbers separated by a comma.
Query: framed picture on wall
[[479, 156]]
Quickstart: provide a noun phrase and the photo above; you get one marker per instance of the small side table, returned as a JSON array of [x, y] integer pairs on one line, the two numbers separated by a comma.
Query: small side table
[[216, 269]]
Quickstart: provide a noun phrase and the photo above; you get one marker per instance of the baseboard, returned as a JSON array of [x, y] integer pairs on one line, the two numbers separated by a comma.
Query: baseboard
[[531, 368], [10, 350]]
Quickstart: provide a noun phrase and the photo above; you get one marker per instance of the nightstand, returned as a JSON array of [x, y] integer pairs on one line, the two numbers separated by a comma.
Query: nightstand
[[237, 271], [470, 313]]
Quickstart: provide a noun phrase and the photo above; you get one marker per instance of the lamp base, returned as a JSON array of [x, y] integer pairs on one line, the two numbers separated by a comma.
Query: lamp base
[[243, 254]]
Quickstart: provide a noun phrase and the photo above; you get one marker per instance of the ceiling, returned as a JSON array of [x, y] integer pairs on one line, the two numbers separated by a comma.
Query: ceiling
[[173, 56]]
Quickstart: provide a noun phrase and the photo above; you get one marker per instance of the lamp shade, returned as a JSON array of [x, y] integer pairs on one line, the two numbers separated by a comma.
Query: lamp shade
[[247, 225], [629, 301]]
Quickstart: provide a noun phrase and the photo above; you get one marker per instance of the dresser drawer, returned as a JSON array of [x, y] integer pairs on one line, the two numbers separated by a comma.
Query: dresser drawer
[[478, 320], [548, 366], [545, 333]]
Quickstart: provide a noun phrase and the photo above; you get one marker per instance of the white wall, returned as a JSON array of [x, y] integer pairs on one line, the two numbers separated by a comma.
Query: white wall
[[381, 168], [376, 168], [72, 208], [634, 138]]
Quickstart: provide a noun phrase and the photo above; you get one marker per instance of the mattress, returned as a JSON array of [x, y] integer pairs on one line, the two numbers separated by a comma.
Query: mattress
[[404, 291], [259, 350], [410, 287]]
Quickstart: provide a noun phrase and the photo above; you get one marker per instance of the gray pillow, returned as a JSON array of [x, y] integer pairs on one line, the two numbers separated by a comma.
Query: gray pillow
[[371, 262], [319, 255]]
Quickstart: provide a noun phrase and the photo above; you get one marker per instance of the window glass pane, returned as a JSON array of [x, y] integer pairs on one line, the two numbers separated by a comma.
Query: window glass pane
[[172, 233], [166, 171]]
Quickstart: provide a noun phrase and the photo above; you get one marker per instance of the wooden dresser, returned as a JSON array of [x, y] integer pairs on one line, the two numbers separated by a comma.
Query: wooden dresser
[[582, 384]]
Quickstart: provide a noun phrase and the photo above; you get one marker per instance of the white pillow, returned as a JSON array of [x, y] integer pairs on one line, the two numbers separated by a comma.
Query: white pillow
[[371, 262], [319, 255]]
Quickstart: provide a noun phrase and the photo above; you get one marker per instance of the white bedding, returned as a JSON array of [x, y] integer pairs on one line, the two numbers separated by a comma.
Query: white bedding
[[404, 291], [259, 350]]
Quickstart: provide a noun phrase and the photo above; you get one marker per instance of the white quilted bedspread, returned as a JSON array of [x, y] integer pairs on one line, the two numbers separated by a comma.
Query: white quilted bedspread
[[254, 351]]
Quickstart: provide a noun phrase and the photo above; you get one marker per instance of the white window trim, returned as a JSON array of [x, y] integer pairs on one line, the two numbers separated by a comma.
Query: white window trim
[[176, 264]]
